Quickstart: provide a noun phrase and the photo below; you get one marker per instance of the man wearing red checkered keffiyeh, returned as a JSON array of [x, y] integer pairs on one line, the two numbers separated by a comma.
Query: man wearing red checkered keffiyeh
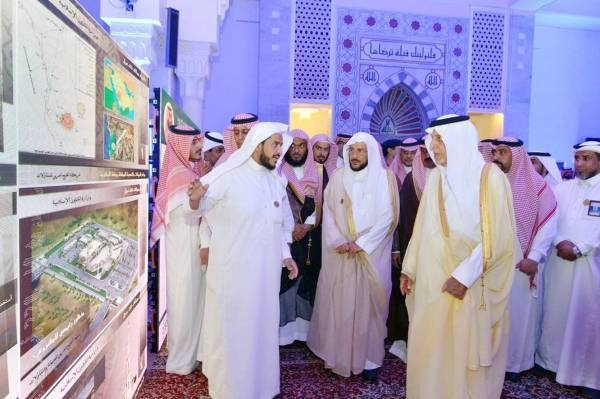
[[305, 193], [402, 163], [536, 217], [235, 134], [175, 225]]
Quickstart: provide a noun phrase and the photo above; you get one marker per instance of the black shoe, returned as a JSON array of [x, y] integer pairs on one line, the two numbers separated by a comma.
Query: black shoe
[[541, 372], [513, 377], [370, 375]]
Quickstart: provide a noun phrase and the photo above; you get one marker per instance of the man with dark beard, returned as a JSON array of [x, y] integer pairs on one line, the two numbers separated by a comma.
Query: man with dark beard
[[247, 201], [305, 193], [570, 340], [537, 218], [360, 213]]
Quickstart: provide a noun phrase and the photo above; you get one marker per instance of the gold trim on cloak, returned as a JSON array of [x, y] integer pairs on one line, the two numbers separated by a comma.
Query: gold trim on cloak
[[485, 227], [486, 231], [378, 290]]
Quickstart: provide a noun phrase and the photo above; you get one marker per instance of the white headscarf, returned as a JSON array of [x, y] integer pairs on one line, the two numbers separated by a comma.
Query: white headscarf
[[591, 145], [257, 134], [374, 192], [461, 174], [550, 164], [212, 140]]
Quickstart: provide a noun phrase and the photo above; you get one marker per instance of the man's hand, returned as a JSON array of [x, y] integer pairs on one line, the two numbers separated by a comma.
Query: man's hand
[[196, 190], [343, 248], [289, 264], [453, 287], [405, 284], [300, 231], [353, 248], [204, 256], [530, 268], [566, 250], [396, 260]]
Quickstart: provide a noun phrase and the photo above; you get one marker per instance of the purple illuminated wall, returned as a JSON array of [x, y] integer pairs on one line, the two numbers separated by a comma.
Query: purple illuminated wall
[[378, 50]]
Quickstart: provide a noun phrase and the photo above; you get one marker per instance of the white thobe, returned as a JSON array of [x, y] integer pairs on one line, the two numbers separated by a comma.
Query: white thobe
[[249, 213], [296, 330], [552, 183], [570, 339], [186, 285], [525, 303], [340, 162], [372, 233]]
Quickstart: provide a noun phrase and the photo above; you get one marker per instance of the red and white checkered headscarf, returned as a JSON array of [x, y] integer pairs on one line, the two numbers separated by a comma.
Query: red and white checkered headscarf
[[244, 121], [533, 200], [176, 173], [310, 181], [331, 161], [408, 144], [485, 147], [419, 173]]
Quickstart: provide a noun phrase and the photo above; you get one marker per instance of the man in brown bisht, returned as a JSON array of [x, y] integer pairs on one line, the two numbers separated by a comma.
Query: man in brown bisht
[[360, 213], [410, 195], [458, 271]]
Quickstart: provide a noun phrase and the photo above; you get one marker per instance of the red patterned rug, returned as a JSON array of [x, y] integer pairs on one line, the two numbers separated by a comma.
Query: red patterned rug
[[303, 376]]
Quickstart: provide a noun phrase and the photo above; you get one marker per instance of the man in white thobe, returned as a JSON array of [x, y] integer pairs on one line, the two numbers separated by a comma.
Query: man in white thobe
[[570, 340], [360, 213], [402, 163], [536, 216], [546, 166], [251, 230], [177, 229], [340, 140]]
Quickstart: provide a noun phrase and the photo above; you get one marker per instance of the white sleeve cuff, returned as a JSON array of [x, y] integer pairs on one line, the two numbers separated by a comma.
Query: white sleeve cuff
[[469, 270], [535, 256]]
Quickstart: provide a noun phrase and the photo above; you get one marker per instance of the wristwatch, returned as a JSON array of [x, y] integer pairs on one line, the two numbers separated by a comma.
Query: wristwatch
[[577, 251]]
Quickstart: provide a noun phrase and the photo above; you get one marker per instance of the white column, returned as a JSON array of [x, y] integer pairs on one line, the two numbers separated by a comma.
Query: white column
[[193, 70], [140, 39]]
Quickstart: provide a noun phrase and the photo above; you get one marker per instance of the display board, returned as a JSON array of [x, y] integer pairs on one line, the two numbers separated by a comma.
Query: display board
[[9, 269], [82, 116], [73, 206]]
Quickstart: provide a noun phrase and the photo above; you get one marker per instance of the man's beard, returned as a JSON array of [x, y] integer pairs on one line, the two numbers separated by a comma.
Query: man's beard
[[500, 165], [360, 167], [585, 176], [265, 161], [292, 162]]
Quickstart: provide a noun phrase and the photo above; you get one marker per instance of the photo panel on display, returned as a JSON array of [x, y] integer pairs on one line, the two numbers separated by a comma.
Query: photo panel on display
[[115, 363], [82, 257], [82, 116], [8, 141], [8, 294]]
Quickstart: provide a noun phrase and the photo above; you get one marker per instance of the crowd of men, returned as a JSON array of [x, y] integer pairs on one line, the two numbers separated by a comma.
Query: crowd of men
[[473, 259]]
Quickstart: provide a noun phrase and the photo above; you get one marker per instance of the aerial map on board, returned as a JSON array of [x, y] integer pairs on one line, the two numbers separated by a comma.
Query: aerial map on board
[[57, 75]]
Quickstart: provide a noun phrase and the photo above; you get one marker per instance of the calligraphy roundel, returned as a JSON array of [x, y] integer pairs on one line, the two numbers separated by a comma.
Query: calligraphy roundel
[[398, 112]]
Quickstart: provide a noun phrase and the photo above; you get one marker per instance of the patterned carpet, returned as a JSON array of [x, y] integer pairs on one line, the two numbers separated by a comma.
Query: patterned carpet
[[303, 376]]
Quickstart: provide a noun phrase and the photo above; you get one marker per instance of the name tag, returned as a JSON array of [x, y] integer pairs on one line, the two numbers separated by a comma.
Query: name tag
[[594, 208]]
